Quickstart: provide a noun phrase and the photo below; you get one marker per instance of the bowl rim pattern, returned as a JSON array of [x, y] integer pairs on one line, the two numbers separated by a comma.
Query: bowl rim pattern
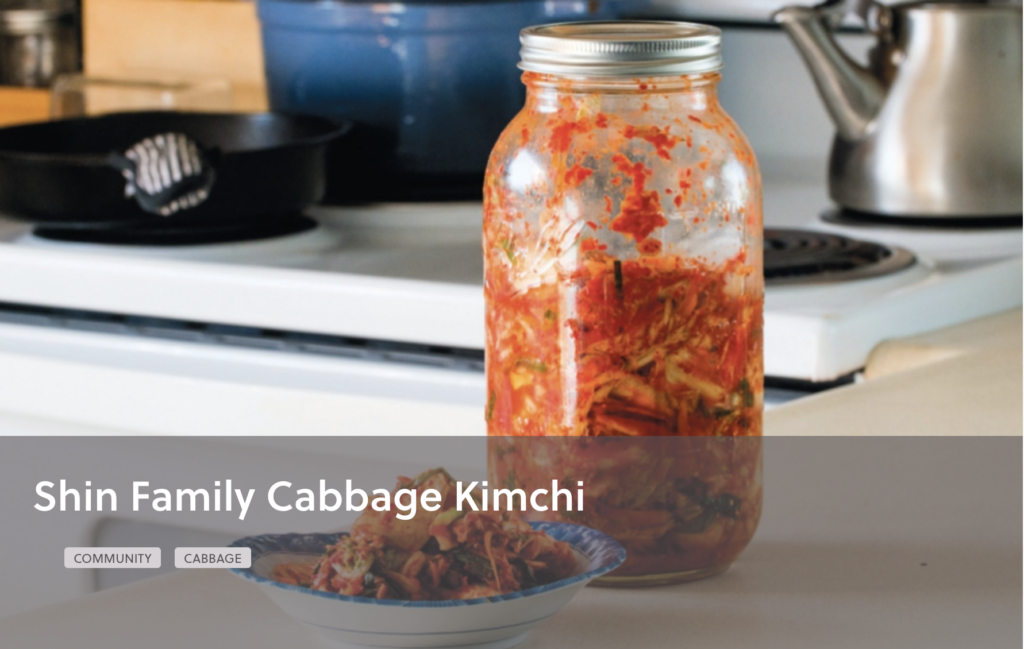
[[604, 553]]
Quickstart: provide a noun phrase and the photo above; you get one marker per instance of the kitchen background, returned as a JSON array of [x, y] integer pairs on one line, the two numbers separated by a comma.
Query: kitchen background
[[371, 322]]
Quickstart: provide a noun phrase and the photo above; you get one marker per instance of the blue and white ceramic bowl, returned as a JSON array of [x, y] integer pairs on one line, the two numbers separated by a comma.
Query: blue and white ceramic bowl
[[486, 622]]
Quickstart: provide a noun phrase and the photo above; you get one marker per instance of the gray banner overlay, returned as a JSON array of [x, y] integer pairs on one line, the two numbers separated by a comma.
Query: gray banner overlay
[[918, 526]]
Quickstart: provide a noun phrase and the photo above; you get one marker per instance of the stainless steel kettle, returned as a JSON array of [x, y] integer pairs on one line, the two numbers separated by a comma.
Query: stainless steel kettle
[[932, 126]]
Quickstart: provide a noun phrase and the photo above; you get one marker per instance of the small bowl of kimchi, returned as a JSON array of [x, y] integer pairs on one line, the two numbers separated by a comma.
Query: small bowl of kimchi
[[437, 578], [489, 621]]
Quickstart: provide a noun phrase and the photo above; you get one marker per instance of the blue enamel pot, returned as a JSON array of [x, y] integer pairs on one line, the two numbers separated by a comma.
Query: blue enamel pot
[[430, 85]]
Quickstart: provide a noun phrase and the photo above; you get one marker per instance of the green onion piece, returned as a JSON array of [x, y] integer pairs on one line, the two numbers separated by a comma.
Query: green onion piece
[[745, 392], [533, 364]]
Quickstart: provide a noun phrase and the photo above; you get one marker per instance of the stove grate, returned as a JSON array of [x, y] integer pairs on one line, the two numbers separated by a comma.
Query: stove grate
[[171, 233], [807, 256]]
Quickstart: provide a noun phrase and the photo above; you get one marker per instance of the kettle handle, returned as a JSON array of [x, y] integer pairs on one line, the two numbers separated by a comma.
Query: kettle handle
[[832, 12], [877, 17]]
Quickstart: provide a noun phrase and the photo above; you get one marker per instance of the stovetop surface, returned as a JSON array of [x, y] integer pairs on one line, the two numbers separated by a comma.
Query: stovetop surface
[[441, 242], [796, 256], [438, 242], [412, 273]]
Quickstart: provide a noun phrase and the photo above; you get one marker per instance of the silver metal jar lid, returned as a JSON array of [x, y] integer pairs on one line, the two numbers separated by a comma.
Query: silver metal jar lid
[[621, 48]]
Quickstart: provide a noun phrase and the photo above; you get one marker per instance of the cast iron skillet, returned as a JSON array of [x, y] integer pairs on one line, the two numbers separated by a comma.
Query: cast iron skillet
[[65, 172]]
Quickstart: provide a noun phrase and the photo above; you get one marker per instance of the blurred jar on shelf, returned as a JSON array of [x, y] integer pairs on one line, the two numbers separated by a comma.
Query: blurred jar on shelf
[[78, 95], [39, 39]]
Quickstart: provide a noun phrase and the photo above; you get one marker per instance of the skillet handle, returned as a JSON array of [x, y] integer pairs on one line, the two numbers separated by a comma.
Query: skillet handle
[[167, 173]]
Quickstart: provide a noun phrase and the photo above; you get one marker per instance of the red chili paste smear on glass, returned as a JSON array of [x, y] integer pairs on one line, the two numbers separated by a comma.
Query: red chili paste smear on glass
[[561, 134], [640, 213], [649, 247], [576, 174], [661, 139]]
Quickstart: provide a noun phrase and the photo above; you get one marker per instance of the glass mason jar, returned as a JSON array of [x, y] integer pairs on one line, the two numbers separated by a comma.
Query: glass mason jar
[[624, 291]]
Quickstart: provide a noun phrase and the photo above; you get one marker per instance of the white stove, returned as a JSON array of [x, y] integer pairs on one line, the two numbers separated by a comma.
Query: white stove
[[820, 332], [380, 306]]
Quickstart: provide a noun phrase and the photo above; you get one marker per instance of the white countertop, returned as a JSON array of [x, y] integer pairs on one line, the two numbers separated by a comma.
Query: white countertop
[[864, 543]]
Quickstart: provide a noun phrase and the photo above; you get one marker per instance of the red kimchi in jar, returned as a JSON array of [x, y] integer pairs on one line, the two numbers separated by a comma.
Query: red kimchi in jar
[[624, 290]]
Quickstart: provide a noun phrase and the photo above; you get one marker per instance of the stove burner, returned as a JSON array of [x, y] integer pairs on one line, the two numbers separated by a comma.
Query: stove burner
[[169, 234], [806, 256]]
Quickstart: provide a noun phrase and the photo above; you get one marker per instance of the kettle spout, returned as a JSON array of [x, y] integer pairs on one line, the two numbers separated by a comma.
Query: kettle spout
[[851, 93]]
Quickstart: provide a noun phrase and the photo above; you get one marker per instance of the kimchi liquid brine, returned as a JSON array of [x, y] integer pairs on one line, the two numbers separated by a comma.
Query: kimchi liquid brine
[[624, 291]]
